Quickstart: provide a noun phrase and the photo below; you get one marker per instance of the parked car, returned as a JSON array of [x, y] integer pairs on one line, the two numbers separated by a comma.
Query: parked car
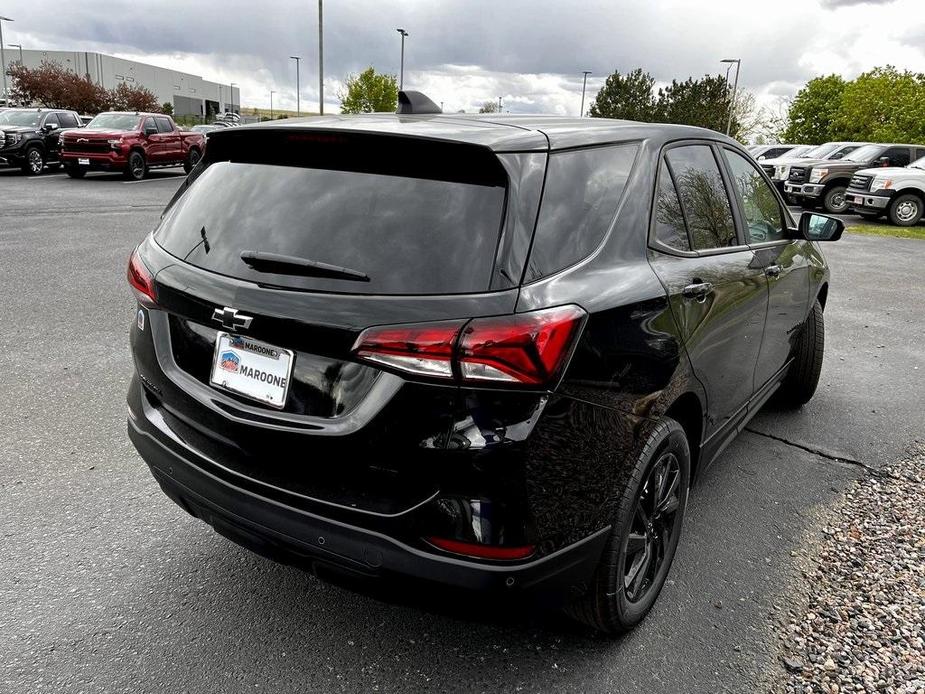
[[762, 152], [897, 192], [130, 142], [826, 182], [779, 169], [489, 354], [205, 129], [29, 137]]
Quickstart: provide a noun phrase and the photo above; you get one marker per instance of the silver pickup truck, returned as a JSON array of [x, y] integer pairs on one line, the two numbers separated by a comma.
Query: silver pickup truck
[[897, 192]]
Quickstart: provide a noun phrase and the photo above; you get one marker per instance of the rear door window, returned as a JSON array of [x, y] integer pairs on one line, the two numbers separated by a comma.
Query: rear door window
[[583, 189], [703, 197], [410, 226]]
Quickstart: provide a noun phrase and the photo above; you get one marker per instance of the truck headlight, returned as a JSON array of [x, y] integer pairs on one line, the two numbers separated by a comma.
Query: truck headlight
[[881, 183], [817, 175], [781, 172], [115, 144], [13, 138]]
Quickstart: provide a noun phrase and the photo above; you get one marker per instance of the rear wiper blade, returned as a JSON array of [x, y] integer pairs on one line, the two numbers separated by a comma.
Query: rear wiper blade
[[294, 265]]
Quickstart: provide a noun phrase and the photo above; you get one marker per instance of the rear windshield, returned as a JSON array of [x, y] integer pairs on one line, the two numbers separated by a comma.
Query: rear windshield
[[407, 234]]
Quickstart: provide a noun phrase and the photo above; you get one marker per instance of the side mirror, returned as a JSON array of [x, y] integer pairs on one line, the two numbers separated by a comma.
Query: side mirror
[[884, 161], [50, 127], [150, 131], [820, 227]]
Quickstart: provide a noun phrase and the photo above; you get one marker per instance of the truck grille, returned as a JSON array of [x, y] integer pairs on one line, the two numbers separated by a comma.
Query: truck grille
[[860, 182], [797, 174], [90, 147]]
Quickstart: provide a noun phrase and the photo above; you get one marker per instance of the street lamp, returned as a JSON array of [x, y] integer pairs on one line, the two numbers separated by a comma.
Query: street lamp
[[6, 97], [271, 103], [401, 71], [297, 59], [584, 85], [233, 85], [735, 86], [320, 57]]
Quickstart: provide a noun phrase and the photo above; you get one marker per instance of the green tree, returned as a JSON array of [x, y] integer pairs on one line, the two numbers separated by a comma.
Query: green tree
[[703, 102], [627, 96], [167, 108], [883, 105], [369, 92], [812, 116]]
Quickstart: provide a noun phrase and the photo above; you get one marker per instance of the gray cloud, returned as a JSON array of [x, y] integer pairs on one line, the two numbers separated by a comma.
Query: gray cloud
[[834, 4]]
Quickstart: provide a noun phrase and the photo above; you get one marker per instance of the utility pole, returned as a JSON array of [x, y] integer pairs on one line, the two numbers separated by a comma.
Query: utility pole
[[499, 104], [401, 70], [320, 58], [298, 107], [6, 96], [735, 86], [584, 85], [271, 103]]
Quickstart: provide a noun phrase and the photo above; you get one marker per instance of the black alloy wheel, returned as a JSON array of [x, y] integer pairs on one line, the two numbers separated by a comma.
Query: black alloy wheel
[[655, 521], [35, 161]]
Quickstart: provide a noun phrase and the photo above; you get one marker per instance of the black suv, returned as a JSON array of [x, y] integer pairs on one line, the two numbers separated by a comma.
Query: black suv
[[489, 352], [29, 137]]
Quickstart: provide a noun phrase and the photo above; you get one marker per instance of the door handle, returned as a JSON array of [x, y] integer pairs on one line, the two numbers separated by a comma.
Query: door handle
[[698, 290], [773, 270]]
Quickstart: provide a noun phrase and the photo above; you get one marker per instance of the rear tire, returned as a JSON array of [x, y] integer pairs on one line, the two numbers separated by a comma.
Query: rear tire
[[905, 210], [34, 162], [800, 383], [75, 171], [136, 168], [834, 200], [192, 158], [644, 536]]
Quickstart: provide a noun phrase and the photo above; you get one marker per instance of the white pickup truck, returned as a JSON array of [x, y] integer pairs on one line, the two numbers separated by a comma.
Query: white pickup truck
[[896, 191]]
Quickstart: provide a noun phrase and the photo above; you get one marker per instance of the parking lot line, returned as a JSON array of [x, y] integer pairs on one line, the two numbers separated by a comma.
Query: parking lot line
[[45, 177], [154, 180]]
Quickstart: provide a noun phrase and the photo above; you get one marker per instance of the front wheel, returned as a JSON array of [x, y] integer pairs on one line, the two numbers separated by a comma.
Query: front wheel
[[191, 160], [800, 383], [34, 162], [834, 201], [644, 535], [136, 168], [906, 210]]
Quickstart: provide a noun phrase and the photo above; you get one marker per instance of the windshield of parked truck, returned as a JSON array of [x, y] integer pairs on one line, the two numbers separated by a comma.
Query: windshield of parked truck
[[865, 154], [115, 121], [822, 151], [20, 118]]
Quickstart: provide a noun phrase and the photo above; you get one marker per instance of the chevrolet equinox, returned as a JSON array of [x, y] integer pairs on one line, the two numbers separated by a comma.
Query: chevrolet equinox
[[489, 352]]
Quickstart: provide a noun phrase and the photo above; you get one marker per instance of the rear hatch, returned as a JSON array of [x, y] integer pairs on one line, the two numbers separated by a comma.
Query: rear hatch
[[372, 231]]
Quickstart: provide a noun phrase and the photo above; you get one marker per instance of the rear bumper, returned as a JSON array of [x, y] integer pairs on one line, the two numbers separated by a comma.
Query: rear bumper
[[294, 535]]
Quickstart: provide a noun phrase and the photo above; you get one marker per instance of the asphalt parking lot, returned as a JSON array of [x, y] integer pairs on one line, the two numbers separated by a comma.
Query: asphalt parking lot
[[107, 586]]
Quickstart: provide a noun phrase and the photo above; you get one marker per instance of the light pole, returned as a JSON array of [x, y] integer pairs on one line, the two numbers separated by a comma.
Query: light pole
[[271, 103], [584, 85], [401, 70], [297, 59], [6, 98], [735, 86], [499, 104], [320, 57], [233, 85]]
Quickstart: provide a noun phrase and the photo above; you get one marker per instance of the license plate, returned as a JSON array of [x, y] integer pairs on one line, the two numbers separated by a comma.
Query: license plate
[[83, 162], [857, 199], [251, 368]]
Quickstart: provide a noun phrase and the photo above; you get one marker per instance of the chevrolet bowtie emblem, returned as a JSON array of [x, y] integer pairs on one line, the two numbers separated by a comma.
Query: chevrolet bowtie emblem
[[231, 319]]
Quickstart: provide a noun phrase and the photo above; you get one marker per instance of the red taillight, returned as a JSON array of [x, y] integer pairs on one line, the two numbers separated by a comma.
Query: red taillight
[[525, 348], [141, 280], [425, 349], [472, 549]]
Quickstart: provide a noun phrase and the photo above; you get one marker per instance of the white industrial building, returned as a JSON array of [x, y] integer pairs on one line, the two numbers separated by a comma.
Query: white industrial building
[[190, 95]]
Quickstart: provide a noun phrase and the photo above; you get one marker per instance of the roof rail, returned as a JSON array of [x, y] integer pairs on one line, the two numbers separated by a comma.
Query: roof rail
[[416, 103]]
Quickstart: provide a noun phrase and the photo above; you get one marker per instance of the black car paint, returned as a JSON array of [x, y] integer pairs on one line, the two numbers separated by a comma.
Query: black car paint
[[416, 458]]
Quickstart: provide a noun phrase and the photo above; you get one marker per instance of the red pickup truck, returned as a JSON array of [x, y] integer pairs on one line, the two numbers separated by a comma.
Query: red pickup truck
[[131, 143]]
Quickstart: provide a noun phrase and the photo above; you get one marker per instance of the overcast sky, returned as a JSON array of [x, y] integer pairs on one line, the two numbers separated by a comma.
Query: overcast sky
[[462, 52]]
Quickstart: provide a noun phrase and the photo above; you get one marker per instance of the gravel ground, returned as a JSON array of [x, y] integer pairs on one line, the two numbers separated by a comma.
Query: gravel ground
[[862, 627]]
